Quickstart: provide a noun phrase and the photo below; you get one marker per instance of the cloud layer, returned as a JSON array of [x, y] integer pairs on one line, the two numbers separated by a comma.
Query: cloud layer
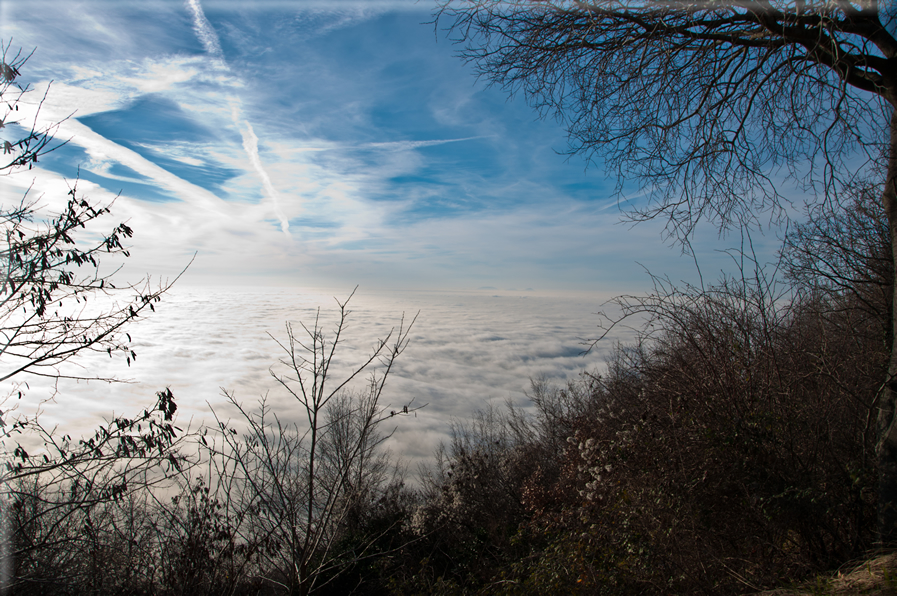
[[467, 351], [294, 143]]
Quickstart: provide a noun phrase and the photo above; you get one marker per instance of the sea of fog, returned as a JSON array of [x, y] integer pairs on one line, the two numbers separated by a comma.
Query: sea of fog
[[466, 351]]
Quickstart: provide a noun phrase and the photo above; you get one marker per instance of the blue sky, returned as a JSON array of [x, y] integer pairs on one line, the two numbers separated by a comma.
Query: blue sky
[[322, 144]]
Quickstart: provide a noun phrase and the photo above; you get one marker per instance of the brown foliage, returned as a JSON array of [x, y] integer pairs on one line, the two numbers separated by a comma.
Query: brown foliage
[[730, 448]]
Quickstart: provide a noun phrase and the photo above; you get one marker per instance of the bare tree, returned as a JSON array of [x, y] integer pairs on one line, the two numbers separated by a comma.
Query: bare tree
[[53, 501], [845, 252], [56, 304], [298, 485], [22, 149], [50, 266], [711, 106]]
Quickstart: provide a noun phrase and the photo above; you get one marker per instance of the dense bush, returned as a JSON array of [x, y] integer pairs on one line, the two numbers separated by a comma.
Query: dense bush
[[730, 448]]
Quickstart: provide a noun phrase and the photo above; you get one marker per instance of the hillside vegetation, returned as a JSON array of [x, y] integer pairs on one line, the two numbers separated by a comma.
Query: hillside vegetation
[[730, 449]]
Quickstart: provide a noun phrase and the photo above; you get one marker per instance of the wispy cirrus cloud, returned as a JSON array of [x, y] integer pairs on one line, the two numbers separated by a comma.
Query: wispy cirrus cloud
[[209, 38], [251, 147], [204, 30], [318, 141], [54, 112]]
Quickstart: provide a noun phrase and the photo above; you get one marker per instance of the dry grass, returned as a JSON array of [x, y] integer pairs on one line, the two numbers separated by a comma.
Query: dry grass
[[873, 577]]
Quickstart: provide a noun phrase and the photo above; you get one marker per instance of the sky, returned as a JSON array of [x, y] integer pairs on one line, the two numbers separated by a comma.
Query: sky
[[321, 144], [291, 150]]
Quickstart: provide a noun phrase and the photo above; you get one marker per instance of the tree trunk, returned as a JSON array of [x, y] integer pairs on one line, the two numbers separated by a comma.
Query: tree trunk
[[886, 447]]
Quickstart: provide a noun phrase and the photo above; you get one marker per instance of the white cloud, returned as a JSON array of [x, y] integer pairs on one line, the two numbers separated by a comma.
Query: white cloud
[[204, 30], [467, 350], [209, 38], [251, 147], [159, 75], [335, 181]]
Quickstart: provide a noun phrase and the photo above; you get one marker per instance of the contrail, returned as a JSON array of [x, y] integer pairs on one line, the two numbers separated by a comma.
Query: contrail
[[210, 42], [204, 30], [251, 147], [416, 144]]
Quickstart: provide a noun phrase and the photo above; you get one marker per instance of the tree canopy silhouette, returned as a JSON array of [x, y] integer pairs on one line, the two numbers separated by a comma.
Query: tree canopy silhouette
[[715, 108]]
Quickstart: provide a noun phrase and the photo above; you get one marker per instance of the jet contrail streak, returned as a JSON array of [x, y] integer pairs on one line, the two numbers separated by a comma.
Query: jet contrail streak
[[209, 39], [204, 30], [251, 147]]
